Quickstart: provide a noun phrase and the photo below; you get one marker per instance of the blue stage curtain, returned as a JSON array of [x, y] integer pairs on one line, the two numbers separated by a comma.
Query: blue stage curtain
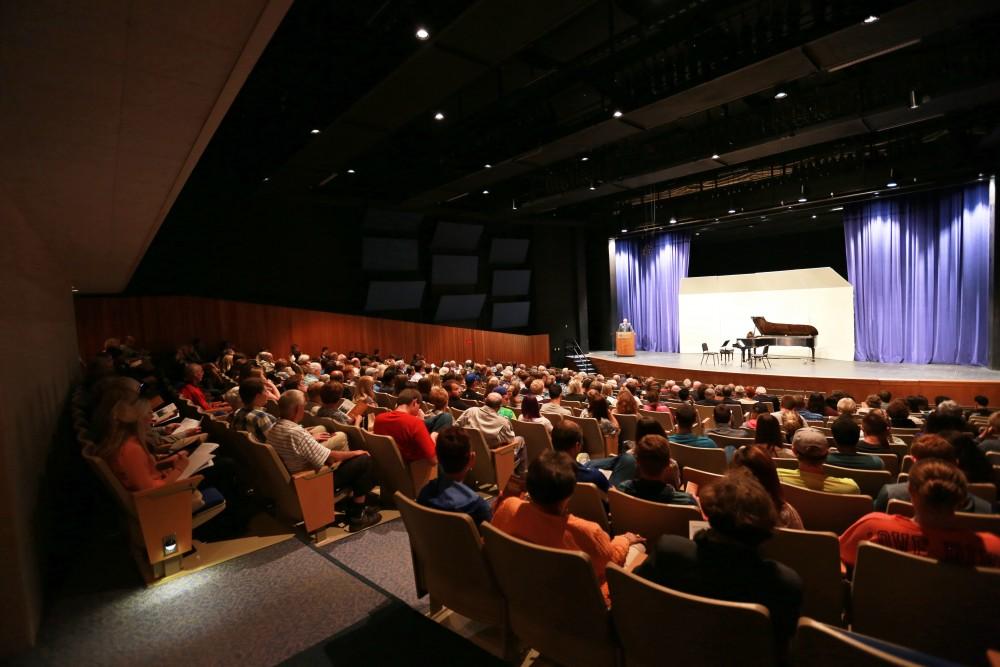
[[922, 270], [648, 274]]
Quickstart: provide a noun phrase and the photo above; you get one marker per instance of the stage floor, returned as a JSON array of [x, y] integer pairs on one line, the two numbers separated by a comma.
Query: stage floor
[[959, 382]]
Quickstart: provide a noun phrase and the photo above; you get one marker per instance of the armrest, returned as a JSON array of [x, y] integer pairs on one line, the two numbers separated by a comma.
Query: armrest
[[314, 490], [503, 464], [165, 511]]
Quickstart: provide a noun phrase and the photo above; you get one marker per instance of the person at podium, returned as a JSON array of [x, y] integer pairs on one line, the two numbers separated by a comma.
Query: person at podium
[[625, 327]]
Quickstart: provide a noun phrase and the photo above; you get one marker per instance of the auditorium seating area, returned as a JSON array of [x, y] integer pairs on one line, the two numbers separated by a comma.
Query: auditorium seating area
[[545, 603]]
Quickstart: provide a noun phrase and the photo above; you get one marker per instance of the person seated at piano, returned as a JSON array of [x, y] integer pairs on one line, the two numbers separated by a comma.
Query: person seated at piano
[[625, 326]]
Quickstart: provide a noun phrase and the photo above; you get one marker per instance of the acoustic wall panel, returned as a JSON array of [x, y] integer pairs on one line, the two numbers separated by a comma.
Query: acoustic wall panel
[[511, 315], [509, 251], [455, 236], [455, 270], [383, 220], [454, 307], [394, 295], [389, 254], [515, 282]]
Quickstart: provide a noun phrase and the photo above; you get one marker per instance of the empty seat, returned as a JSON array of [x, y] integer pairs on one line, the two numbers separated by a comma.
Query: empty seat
[[826, 511], [658, 625], [869, 481], [492, 467], [649, 519], [593, 440], [815, 556], [702, 458], [553, 601], [536, 438]]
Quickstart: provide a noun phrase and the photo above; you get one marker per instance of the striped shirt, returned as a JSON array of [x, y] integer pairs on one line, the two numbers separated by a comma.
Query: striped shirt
[[297, 448]]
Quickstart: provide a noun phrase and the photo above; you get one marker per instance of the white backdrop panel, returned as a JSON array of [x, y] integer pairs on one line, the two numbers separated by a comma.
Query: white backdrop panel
[[714, 308]]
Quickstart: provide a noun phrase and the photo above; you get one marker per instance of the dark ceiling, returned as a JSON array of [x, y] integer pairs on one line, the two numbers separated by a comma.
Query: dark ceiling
[[528, 90]]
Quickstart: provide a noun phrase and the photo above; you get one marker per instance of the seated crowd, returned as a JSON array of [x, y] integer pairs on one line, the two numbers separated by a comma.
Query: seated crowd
[[771, 443]]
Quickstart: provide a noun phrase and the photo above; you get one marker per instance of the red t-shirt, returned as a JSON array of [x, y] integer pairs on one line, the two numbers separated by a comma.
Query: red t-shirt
[[904, 534], [195, 395], [409, 432]]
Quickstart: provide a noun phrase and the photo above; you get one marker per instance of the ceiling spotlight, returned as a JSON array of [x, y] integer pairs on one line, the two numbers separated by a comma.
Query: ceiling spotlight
[[486, 192], [624, 231], [593, 187], [715, 156], [673, 220], [487, 166], [814, 216], [837, 208], [584, 158], [697, 233], [913, 100], [513, 204], [731, 211], [891, 183], [871, 18], [422, 34], [266, 179], [74, 289], [802, 194], [780, 95], [617, 114], [350, 171], [439, 116], [314, 131]]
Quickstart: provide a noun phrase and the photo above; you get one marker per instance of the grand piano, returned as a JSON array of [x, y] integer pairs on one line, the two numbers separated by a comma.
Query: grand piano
[[781, 335]]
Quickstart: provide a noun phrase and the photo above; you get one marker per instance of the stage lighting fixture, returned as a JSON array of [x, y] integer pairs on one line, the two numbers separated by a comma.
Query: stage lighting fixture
[[802, 194], [715, 156], [439, 116], [731, 211], [891, 183], [673, 220], [486, 192], [314, 131], [422, 34], [624, 231], [780, 95], [584, 158], [266, 179], [592, 187], [617, 114], [871, 18], [814, 216], [697, 233], [513, 204], [350, 171], [837, 208], [487, 166], [913, 99]]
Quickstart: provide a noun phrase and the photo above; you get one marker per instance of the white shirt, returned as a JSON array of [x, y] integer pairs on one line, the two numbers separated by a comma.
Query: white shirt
[[297, 448]]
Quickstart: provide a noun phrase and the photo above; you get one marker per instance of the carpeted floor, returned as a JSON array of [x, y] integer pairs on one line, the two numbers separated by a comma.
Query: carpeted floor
[[381, 555], [213, 617]]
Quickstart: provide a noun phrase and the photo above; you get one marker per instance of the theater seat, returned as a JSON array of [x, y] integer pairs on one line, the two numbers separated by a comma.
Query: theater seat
[[492, 467], [649, 519], [536, 438], [587, 502], [820, 645], [834, 512], [392, 472]]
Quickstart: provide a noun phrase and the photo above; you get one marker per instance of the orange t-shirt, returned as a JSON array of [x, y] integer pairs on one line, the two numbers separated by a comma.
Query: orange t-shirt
[[135, 467], [528, 522], [904, 534]]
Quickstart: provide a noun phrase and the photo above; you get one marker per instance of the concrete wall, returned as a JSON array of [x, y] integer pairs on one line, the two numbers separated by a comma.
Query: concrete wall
[[37, 365]]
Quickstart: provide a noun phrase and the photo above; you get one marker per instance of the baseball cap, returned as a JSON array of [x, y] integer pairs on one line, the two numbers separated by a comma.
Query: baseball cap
[[810, 443], [470, 378], [502, 390]]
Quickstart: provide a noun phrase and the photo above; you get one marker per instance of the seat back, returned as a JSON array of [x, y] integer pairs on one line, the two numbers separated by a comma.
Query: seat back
[[593, 439], [643, 610], [706, 412], [536, 438], [815, 556], [449, 562], [724, 441], [393, 473], [702, 458], [826, 511], [456, 412], [695, 479], [103, 471], [355, 437], [553, 601], [869, 481], [587, 502], [482, 471], [819, 644], [628, 424], [984, 490], [897, 613], [665, 419], [978, 523], [273, 476], [649, 519], [385, 400]]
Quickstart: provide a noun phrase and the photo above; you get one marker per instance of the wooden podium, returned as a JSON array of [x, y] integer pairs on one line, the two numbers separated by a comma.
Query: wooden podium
[[625, 343]]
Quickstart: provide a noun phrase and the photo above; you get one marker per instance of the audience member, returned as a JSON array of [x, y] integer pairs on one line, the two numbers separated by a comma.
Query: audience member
[[406, 426], [496, 429], [567, 437], [811, 449], [815, 409], [193, 375], [531, 414], [899, 414], [300, 451], [574, 392], [656, 477], [554, 404], [545, 519], [439, 418], [626, 403], [598, 408], [686, 417], [846, 433], [252, 418], [448, 492], [756, 410], [768, 435], [723, 415], [761, 465], [937, 489], [989, 437], [876, 434], [723, 562]]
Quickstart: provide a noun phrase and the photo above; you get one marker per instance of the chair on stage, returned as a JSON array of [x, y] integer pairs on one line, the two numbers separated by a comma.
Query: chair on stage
[[708, 354], [760, 358], [725, 352]]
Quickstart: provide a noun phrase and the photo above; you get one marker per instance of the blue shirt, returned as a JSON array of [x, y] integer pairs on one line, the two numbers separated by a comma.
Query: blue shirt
[[692, 440], [856, 461], [449, 495], [592, 475], [656, 492]]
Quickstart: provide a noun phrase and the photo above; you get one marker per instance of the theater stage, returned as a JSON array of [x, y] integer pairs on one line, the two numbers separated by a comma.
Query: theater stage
[[858, 378]]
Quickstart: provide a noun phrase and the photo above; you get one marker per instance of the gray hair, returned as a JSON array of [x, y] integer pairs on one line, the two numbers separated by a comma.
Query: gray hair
[[289, 403]]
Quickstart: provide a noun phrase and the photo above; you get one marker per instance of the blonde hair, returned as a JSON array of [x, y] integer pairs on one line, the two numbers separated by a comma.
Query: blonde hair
[[130, 418], [365, 386]]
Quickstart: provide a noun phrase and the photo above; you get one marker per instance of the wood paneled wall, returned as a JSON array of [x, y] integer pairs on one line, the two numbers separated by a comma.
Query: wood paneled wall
[[163, 323]]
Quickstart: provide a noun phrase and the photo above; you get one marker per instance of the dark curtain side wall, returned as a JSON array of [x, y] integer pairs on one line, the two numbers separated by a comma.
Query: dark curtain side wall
[[38, 334], [779, 252], [554, 284]]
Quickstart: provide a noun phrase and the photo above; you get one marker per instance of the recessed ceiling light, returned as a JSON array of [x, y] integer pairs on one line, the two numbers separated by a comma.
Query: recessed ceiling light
[[802, 199], [617, 114], [837, 208], [780, 95], [814, 216], [314, 131], [486, 192], [749, 226], [624, 231], [350, 171], [593, 187], [439, 116], [422, 34], [871, 18], [731, 211], [513, 204], [74, 290], [891, 184], [673, 220], [266, 179], [584, 158], [487, 166], [697, 233], [715, 156]]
